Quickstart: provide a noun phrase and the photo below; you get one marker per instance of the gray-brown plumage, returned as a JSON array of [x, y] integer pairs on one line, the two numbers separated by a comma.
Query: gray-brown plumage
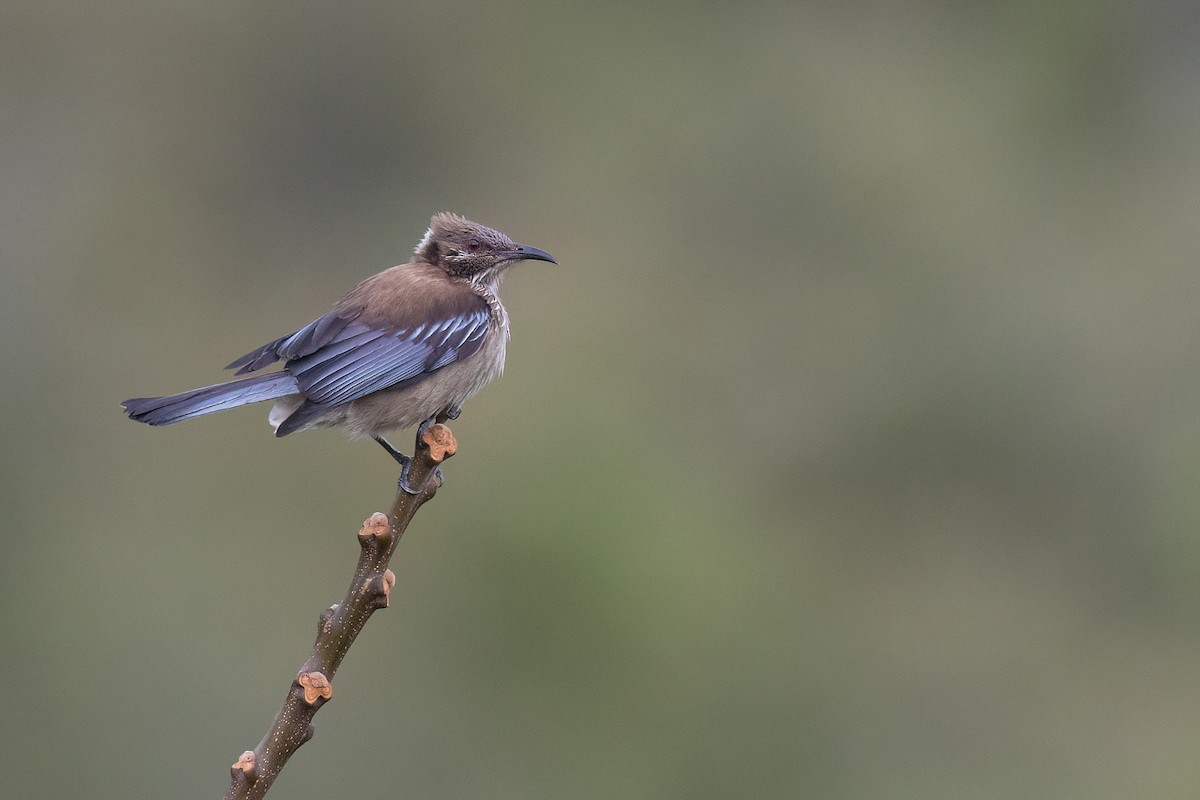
[[406, 346]]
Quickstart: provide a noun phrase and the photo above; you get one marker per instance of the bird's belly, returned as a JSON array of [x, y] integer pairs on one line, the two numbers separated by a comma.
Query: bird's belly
[[407, 404]]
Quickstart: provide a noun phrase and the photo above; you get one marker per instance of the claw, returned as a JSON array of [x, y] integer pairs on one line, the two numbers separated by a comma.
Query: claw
[[425, 425], [403, 483]]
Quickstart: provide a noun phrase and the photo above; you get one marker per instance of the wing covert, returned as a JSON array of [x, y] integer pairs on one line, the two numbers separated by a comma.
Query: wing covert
[[360, 360]]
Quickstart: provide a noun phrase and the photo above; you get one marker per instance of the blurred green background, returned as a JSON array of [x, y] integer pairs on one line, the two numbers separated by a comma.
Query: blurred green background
[[851, 452]]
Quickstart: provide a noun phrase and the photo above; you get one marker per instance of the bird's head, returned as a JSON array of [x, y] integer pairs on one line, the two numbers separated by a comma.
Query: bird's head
[[467, 249]]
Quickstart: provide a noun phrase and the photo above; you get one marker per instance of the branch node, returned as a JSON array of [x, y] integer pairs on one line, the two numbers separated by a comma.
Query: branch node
[[325, 621], [316, 687], [377, 527], [440, 441], [380, 589], [389, 580], [245, 765]]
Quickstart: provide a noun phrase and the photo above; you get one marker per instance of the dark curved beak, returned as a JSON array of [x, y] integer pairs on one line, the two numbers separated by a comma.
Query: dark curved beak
[[526, 253]]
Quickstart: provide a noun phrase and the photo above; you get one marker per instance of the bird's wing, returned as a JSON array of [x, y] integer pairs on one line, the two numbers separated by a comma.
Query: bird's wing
[[308, 340], [361, 359]]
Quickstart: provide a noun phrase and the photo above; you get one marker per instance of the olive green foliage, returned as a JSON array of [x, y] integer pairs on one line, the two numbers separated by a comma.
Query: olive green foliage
[[851, 452]]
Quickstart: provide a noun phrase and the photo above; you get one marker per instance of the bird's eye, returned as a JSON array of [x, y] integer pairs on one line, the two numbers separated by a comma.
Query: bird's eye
[[473, 246]]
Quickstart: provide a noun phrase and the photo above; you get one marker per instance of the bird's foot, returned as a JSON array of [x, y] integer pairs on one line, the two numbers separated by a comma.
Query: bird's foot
[[440, 418], [425, 425], [402, 482], [406, 467], [406, 463]]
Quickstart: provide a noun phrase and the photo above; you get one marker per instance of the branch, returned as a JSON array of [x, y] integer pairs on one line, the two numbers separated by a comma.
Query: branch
[[369, 589]]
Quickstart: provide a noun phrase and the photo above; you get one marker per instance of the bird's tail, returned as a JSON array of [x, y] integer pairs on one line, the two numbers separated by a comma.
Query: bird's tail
[[185, 405]]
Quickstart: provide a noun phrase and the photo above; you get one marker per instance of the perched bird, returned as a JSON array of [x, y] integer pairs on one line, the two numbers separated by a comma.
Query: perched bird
[[405, 347]]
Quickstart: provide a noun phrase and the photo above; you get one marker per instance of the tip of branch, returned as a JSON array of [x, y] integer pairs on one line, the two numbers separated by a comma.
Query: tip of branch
[[316, 686], [441, 442]]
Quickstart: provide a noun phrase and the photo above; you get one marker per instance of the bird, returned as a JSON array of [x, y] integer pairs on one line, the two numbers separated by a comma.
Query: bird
[[407, 346]]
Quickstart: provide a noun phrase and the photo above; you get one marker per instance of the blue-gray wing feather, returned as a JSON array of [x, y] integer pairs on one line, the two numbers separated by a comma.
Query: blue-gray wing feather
[[359, 360], [309, 339]]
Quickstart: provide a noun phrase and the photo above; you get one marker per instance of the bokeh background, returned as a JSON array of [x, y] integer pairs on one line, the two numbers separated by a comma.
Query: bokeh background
[[851, 452]]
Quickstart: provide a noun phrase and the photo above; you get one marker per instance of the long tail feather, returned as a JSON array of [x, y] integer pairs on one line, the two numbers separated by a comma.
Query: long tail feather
[[185, 405]]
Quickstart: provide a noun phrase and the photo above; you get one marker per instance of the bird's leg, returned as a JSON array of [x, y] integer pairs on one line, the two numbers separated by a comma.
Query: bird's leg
[[404, 461], [451, 413], [393, 452]]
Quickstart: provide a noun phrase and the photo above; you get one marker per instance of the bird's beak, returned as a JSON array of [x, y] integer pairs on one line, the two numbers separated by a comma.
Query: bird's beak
[[526, 253]]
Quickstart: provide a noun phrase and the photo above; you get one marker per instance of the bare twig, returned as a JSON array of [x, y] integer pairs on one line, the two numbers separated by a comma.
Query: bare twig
[[256, 770]]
